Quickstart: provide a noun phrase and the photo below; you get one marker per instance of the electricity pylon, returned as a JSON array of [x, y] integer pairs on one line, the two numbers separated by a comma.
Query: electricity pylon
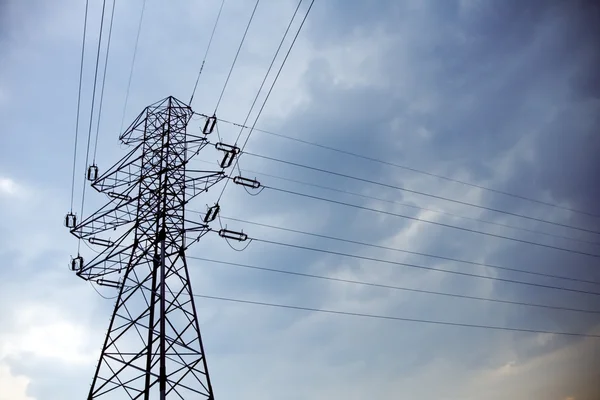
[[153, 348]]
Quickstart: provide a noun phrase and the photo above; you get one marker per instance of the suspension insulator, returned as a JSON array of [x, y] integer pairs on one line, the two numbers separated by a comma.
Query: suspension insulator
[[209, 125], [77, 263], [233, 235], [92, 173], [70, 220], [118, 196], [251, 183], [100, 242], [230, 153], [227, 148], [227, 160], [212, 213], [107, 282]]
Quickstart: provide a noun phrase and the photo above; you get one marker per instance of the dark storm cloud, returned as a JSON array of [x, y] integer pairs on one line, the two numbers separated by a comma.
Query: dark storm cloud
[[498, 76], [491, 76], [513, 62]]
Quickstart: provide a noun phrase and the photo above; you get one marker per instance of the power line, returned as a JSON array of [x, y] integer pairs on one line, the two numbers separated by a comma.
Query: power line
[[207, 49], [89, 138], [276, 78], [387, 317], [269, 70], [412, 169], [365, 258], [101, 295], [269, 92], [79, 103], [434, 222], [137, 41], [418, 207], [408, 251], [112, 15], [418, 192], [383, 286], [236, 56]]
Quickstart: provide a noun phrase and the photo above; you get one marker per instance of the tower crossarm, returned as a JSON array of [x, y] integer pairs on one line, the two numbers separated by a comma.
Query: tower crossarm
[[112, 260], [123, 176], [201, 183], [110, 217]]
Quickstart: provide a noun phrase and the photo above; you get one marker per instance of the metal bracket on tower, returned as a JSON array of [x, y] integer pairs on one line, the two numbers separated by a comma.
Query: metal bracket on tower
[[227, 234]]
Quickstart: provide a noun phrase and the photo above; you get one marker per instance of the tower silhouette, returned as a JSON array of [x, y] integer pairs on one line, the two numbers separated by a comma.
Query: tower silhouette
[[153, 348]]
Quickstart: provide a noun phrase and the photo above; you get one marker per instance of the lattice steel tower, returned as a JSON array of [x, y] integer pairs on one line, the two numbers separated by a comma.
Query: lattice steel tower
[[153, 348]]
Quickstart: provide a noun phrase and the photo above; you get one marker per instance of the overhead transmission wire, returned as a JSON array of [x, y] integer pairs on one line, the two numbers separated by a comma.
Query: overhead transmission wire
[[271, 88], [236, 56], [207, 50], [268, 71], [339, 239], [416, 207], [412, 169], [89, 138], [475, 231], [372, 284], [79, 104], [392, 287], [419, 192], [393, 318], [400, 319], [417, 266], [101, 295], [112, 16], [137, 41], [411, 206]]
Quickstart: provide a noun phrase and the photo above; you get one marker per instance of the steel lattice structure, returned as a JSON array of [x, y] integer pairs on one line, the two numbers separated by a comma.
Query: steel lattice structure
[[153, 348]]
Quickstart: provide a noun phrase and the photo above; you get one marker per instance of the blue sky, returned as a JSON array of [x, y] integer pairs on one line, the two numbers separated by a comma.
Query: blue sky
[[501, 94]]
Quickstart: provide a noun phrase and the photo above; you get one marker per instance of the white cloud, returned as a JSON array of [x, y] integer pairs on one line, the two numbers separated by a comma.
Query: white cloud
[[13, 387], [42, 332], [8, 187]]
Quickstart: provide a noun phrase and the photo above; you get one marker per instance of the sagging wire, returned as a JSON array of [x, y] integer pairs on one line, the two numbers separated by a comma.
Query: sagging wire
[[101, 295]]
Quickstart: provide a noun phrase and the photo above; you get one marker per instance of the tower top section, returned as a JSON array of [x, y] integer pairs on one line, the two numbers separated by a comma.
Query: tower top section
[[155, 113]]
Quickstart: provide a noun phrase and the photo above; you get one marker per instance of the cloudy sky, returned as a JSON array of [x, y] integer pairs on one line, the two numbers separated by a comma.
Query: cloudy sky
[[501, 94]]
